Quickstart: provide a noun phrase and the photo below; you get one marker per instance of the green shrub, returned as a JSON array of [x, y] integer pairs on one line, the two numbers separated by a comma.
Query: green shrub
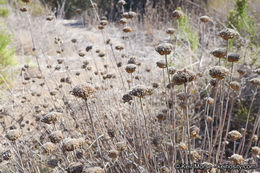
[[4, 12]]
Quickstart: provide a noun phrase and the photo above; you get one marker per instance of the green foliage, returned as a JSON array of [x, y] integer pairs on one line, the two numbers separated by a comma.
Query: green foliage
[[240, 20], [3, 2], [4, 12], [7, 57], [187, 32]]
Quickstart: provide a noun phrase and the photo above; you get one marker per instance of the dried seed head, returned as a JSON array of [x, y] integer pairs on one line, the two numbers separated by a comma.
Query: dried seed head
[[127, 98], [139, 91], [164, 48], [209, 119], [177, 14], [213, 82], [123, 21], [83, 91], [235, 85], [79, 11], [48, 147], [182, 146], [218, 72], [234, 135], [70, 144], [237, 159], [172, 70], [101, 27], [51, 117], [101, 54], [103, 22], [256, 151], [13, 134], [120, 47], [194, 132], [161, 64], [56, 137], [228, 33], [155, 85], [75, 167], [255, 81], [210, 100], [132, 60], [26, 1], [127, 29], [181, 96], [130, 68], [241, 71], [219, 52], [233, 57], [257, 71], [94, 170], [255, 138], [149, 91], [204, 19], [170, 31], [164, 169], [194, 155], [49, 18], [6, 155], [23, 9], [129, 15], [113, 154], [183, 76], [81, 53], [121, 3], [120, 146]]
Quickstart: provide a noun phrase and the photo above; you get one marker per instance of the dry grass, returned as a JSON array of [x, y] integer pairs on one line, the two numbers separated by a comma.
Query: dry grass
[[94, 100]]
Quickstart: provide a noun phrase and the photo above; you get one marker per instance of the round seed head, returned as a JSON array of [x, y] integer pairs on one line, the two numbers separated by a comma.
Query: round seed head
[[79, 11], [210, 100], [149, 91], [121, 3], [48, 147], [127, 29], [257, 71], [120, 47], [75, 167], [103, 22], [183, 76], [130, 68], [83, 91], [228, 33], [26, 1], [70, 144], [155, 85], [13, 134], [170, 31], [51, 117], [194, 131], [81, 53], [204, 19], [164, 48], [182, 146], [194, 155], [256, 151], [56, 137], [23, 9], [241, 71], [177, 14], [255, 138], [6, 155], [132, 60], [234, 135], [255, 81], [164, 169], [181, 96], [101, 27], [113, 154], [218, 72], [235, 85], [139, 91], [49, 18], [121, 146], [219, 52], [233, 57], [237, 159], [127, 98], [123, 21], [172, 70], [161, 64], [209, 119]]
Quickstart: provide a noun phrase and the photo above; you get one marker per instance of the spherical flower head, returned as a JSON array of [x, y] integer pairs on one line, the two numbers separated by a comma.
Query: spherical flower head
[[139, 91], [234, 135], [205, 19], [177, 14], [235, 85], [218, 72], [233, 57], [237, 159], [255, 81], [83, 91], [183, 76], [228, 33], [130, 68], [121, 3], [256, 151], [219, 52], [170, 31], [13, 134], [161, 64], [164, 48]]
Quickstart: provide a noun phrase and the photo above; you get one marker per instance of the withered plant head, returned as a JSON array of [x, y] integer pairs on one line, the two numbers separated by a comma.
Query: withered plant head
[[164, 48], [194, 132], [51, 117], [13, 134], [164, 169], [256, 150], [182, 146], [56, 136], [132, 60], [83, 91], [78, 11], [183, 76], [94, 170], [121, 3], [139, 91], [103, 22], [113, 154], [120, 47], [123, 21], [127, 29], [257, 71], [127, 98], [255, 81], [218, 72], [23, 9], [177, 14], [172, 70], [228, 33], [237, 159], [161, 64], [48, 147], [194, 155], [130, 68], [235, 85], [234, 135], [101, 27], [49, 18], [170, 31], [121, 146], [75, 167], [233, 57], [219, 53], [205, 19]]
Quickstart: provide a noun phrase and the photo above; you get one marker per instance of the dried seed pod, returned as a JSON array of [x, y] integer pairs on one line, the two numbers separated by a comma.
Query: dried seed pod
[[233, 57], [164, 48], [172, 70], [49, 18], [127, 98], [70, 144], [149, 91], [23, 9], [103, 22], [183, 76], [182, 146], [218, 72], [130, 68], [81, 53], [101, 54], [83, 91], [139, 91], [113, 154], [132, 60], [237, 159], [255, 138], [121, 3], [160, 117], [79, 11], [164, 169], [161, 64], [26, 1], [13, 134], [119, 64], [60, 61], [256, 151], [56, 137], [210, 100], [241, 71], [6, 155], [194, 155], [88, 48], [219, 52], [194, 132], [255, 81], [127, 29], [75, 167], [120, 146], [51, 117], [228, 33], [209, 119], [257, 71], [120, 47], [234, 135], [111, 133], [123, 21], [170, 31], [204, 19], [155, 85], [48, 147], [213, 82], [235, 85], [101, 27], [131, 14], [177, 14]]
